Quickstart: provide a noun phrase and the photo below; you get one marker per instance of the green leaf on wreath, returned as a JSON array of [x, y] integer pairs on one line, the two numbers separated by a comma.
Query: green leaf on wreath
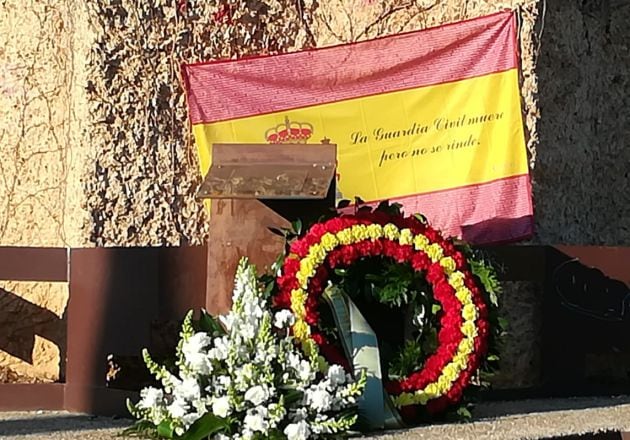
[[464, 413], [165, 429], [389, 208], [407, 360], [486, 375], [503, 323], [383, 206], [485, 271], [297, 226], [430, 340], [267, 281], [435, 308], [493, 358], [421, 218], [397, 207], [205, 426]]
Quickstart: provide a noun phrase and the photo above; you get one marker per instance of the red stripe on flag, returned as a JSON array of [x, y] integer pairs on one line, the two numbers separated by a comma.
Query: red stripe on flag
[[498, 211], [225, 90]]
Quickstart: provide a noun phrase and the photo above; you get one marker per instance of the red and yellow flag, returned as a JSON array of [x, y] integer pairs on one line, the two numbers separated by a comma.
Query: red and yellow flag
[[429, 119]]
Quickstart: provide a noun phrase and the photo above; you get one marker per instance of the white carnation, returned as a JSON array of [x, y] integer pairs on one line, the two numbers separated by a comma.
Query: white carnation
[[336, 375], [220, 384], [178, 408], [188, 390], [247, 331], [305, 371], [293, 360], [255, 420], [221, 407], [300, 414], [195, 344], [199, 363], [257, 394], [319, 399], [220, 350], [297, 431], [150, 397], [252, 310]]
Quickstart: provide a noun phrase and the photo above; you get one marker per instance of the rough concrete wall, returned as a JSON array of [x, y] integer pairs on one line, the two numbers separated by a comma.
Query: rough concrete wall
[[582, 176], [520, 357], [40, 195], [33, 329], [144, 176], [42, 116]]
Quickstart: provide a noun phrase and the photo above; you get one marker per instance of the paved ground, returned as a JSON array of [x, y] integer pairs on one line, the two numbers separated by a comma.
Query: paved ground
[[529, 419], [58, 425]]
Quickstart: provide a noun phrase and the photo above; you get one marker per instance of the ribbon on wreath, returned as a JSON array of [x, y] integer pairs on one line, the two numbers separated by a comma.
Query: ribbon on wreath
[[360, 344]]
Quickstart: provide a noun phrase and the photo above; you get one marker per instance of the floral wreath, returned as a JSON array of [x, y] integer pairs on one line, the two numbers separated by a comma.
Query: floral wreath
[[464, 329]]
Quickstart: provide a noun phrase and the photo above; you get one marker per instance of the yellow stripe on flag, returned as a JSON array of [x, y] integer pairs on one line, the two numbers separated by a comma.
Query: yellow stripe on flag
[[406, 142]]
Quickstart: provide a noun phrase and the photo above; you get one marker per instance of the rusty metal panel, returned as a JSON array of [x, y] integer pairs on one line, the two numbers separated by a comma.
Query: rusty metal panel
[[113, 297], [116, 296], [32, 397], [238, 228], [287, 171], [519, 263], [614, 262], [33, 264], [585, 319], [182, 281]]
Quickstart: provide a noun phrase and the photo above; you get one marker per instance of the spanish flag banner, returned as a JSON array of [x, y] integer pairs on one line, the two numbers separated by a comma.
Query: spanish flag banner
[[429, 119]]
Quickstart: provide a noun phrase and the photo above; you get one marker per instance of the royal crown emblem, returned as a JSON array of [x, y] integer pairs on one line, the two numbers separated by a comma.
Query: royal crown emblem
[[289, 133]]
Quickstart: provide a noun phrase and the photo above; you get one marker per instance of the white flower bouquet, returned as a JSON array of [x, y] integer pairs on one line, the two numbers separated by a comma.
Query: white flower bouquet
[[245, 378]]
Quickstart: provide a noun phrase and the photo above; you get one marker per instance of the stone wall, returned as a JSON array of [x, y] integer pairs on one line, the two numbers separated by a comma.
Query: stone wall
[[44, 148], [41, 118], [33, 334], [582, 174], [141, 184]]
